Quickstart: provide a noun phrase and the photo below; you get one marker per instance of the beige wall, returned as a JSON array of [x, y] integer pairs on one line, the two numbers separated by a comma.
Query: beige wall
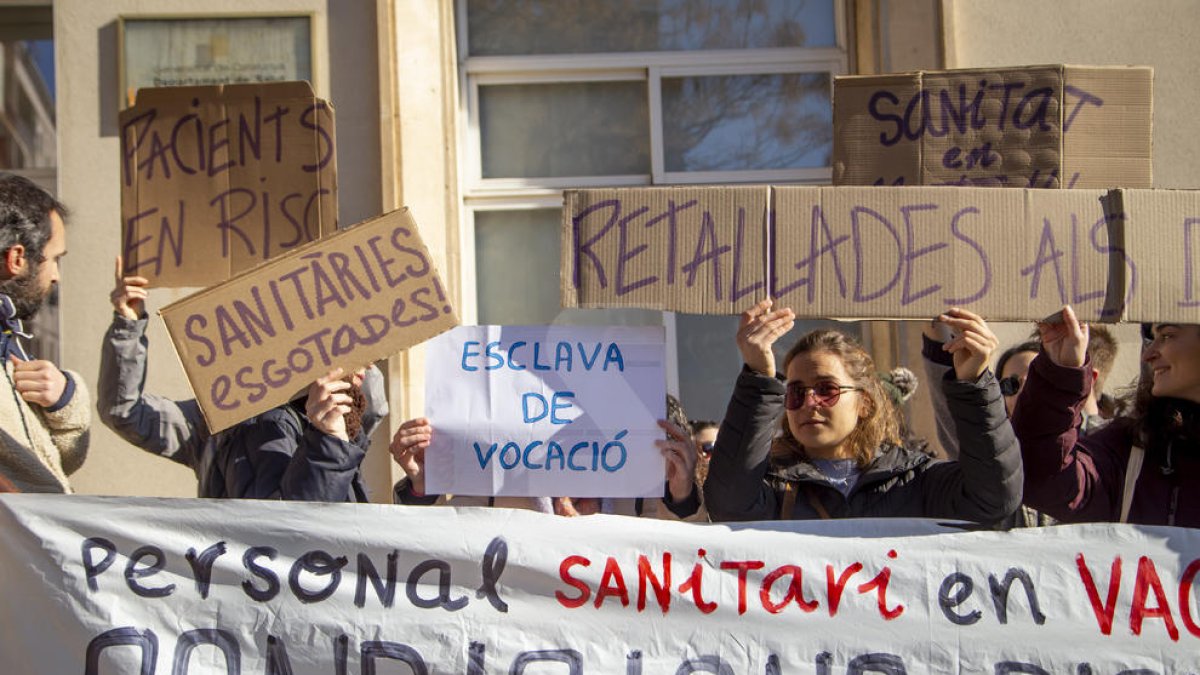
[[1158, 33], [85, 36]]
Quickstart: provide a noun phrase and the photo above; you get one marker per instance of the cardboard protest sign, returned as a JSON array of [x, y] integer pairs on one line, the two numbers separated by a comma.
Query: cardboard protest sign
[[876, 252], [1051, 126], [354, 297], [546, 411], [1162, 252], [916, 252], [128, 585], [215, 180], [698, 250]]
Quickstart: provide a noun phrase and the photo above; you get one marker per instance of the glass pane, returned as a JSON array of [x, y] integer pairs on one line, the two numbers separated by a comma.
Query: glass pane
[[742, 122], [515, 27], [517, 263], [709, 361], [571, 129]]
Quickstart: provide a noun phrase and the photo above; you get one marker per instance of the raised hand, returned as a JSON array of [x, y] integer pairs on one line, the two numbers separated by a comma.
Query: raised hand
[[328, 403], [129, 295], [1064, 342], [972, 345], [408, 450], [758, 329], [680, 452]]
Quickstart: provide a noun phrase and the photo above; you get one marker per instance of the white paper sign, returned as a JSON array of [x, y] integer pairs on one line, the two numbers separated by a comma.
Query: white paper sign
[[546, 411], [100, 585]]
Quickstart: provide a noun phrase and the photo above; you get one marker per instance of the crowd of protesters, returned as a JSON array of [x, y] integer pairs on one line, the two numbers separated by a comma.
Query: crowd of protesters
[[1026, 438]]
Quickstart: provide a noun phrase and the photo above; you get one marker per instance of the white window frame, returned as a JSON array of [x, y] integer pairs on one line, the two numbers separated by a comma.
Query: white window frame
[[520, 194]]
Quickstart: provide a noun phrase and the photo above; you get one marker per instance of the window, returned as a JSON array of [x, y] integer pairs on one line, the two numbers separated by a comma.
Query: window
[[600, 93]]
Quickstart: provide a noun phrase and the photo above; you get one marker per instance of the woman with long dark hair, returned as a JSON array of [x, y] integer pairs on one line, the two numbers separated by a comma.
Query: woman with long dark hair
[[1139, 467]]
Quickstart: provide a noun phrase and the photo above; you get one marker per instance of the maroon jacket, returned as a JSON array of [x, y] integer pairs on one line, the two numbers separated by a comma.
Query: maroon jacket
[[1082, 479]]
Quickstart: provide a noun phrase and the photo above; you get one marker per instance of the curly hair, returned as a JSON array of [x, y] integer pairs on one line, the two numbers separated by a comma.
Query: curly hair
[[25, 215], [1159, 421], [880, 423]]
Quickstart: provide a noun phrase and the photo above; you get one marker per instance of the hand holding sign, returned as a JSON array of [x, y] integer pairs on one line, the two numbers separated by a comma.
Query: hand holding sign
[[1066, 341], [973, 344], [328, 404], [758, 330], [680, 452], [408, 450], [129, 296]]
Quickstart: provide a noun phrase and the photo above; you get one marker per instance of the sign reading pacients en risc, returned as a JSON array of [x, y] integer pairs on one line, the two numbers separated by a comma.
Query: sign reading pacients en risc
[[215, 180]]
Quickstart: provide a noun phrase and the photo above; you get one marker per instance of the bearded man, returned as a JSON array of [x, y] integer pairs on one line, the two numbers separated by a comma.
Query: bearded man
[[45, 412]]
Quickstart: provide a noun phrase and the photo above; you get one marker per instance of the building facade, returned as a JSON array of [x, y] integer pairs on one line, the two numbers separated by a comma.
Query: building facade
[[476, 114]]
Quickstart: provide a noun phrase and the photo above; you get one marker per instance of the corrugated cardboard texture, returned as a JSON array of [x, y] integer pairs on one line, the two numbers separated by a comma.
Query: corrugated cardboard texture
[[215, 180], [914, 252], [1163, 246], [344, 301], [1034, 126], [891, 252], [699, 250]]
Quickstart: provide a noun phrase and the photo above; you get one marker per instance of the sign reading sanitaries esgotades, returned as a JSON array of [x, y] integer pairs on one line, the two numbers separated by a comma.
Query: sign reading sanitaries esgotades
[[542, 411], [1031, 126], [700, 250], [135, 585], [345, 301], [215, 180], [890, 252]]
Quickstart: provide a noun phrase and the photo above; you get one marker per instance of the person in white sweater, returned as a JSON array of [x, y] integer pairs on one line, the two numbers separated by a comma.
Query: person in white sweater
[[45, 411]]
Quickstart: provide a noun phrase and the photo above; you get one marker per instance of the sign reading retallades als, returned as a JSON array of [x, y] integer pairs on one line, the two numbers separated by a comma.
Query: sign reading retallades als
[[215, 180], [546, 411], [154, 586], [362, 294], [891, 252]]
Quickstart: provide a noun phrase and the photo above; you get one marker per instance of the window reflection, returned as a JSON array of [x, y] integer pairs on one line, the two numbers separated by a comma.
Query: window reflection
[[745, 122], [571, 129], [518, 27]]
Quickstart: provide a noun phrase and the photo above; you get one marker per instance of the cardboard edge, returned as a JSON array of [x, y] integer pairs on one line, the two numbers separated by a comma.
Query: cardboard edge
[[1115, 306], [183, 364], [568, 292], [158, 95]]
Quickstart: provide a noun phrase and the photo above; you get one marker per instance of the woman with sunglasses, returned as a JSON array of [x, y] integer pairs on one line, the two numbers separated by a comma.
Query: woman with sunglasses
[[1143, 468], [838, 454]]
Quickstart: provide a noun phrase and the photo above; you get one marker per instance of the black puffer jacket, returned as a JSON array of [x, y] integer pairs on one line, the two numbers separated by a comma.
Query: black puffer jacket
[[983, 486]]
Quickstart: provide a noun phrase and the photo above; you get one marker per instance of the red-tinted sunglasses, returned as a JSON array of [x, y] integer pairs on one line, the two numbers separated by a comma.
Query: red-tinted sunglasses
[[825, 394]]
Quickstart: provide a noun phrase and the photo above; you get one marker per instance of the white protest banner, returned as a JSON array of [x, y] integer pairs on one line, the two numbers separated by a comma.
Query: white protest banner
[[105, 585], [546, 411]]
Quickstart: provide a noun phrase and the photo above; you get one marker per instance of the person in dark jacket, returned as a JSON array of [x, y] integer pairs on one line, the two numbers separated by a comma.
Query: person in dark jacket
[[838, 452], [1143, 468], [308, 449]]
